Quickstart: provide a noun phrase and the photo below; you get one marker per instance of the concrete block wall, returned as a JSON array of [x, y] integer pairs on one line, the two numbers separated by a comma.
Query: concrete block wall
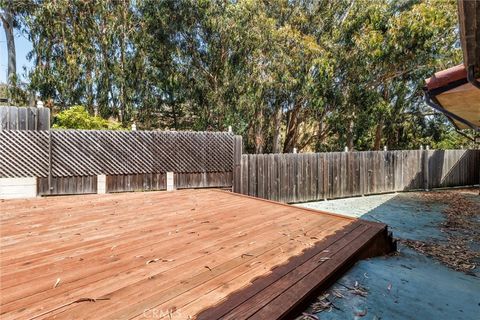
[[170, 181], [101, 184], [15, 188]]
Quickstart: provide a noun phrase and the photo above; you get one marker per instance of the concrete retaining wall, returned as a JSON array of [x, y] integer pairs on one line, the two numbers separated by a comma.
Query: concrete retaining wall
[[14, 188]]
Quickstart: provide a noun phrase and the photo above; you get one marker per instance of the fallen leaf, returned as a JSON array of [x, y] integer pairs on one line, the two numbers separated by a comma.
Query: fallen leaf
[[361, 313], [153, 260], [310, 316], [337, 294]]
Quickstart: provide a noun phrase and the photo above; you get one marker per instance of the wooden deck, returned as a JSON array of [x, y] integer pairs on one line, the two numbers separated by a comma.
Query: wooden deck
[[204, 254]]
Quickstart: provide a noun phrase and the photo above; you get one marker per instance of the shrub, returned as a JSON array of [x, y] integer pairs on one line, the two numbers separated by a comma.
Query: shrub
[[77, 117]]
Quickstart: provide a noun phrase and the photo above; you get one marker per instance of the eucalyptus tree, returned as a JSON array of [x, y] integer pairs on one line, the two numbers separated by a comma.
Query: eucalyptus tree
[[11, 14], [82, 52], [387, 49], [316, 75], [6, 15]]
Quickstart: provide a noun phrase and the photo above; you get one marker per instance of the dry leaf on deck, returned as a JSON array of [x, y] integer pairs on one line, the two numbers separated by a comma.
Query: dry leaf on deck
[[57, 283]]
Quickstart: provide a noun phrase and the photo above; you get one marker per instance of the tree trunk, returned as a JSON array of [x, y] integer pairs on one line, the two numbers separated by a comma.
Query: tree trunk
[[292, 128], [379, 129], [7, 20], [89, 90], [351, 125], [174, 114], [276, 130], [103, 92], [259, 137], [378, 136], [321, 135], [123, 40]]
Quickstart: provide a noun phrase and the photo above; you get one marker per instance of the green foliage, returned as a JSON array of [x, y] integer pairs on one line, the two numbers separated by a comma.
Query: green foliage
[[314, 75], [440, 136], [14, 92], [77, 117]]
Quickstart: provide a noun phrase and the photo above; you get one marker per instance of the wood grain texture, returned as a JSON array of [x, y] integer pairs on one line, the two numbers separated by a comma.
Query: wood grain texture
[[300, 177], [21, 118], [137, 254]]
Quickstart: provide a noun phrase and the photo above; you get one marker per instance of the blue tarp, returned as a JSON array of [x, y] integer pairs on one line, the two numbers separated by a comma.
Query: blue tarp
[[407, 285]]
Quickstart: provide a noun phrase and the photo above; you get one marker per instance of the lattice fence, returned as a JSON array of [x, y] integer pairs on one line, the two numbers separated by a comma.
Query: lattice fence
[[67, 153], [24, 154]]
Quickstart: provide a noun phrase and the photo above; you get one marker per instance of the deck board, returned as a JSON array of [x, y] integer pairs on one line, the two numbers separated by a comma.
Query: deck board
[[166, 254]]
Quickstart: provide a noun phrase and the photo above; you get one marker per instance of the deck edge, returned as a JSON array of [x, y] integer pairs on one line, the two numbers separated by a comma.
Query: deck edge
[[381, 243]]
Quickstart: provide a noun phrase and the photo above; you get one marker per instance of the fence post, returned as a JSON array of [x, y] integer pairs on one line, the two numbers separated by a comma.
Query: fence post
[[101, 184], [426, 168], [50, 187], [170, 181], [237, 165]]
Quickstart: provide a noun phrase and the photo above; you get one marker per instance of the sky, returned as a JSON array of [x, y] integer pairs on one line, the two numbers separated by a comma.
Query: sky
[[22, 46]]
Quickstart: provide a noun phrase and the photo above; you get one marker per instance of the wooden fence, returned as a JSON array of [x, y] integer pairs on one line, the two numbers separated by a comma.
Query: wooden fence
[[308, 177], [68, 161], [23, 118]]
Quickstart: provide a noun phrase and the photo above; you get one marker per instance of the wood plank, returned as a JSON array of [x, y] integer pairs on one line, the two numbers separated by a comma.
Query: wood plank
[[313, 177], [22, 119], [68, 185], [264, 293], [252, 176], [191, 302], [311, 276], [297, 281], [32, 119], [284, 182], [210, 244], [275, 167], [236, 303], [221, 247], [13, 119], [4, 119], [211, 275], [260, 176], [237, 164]]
